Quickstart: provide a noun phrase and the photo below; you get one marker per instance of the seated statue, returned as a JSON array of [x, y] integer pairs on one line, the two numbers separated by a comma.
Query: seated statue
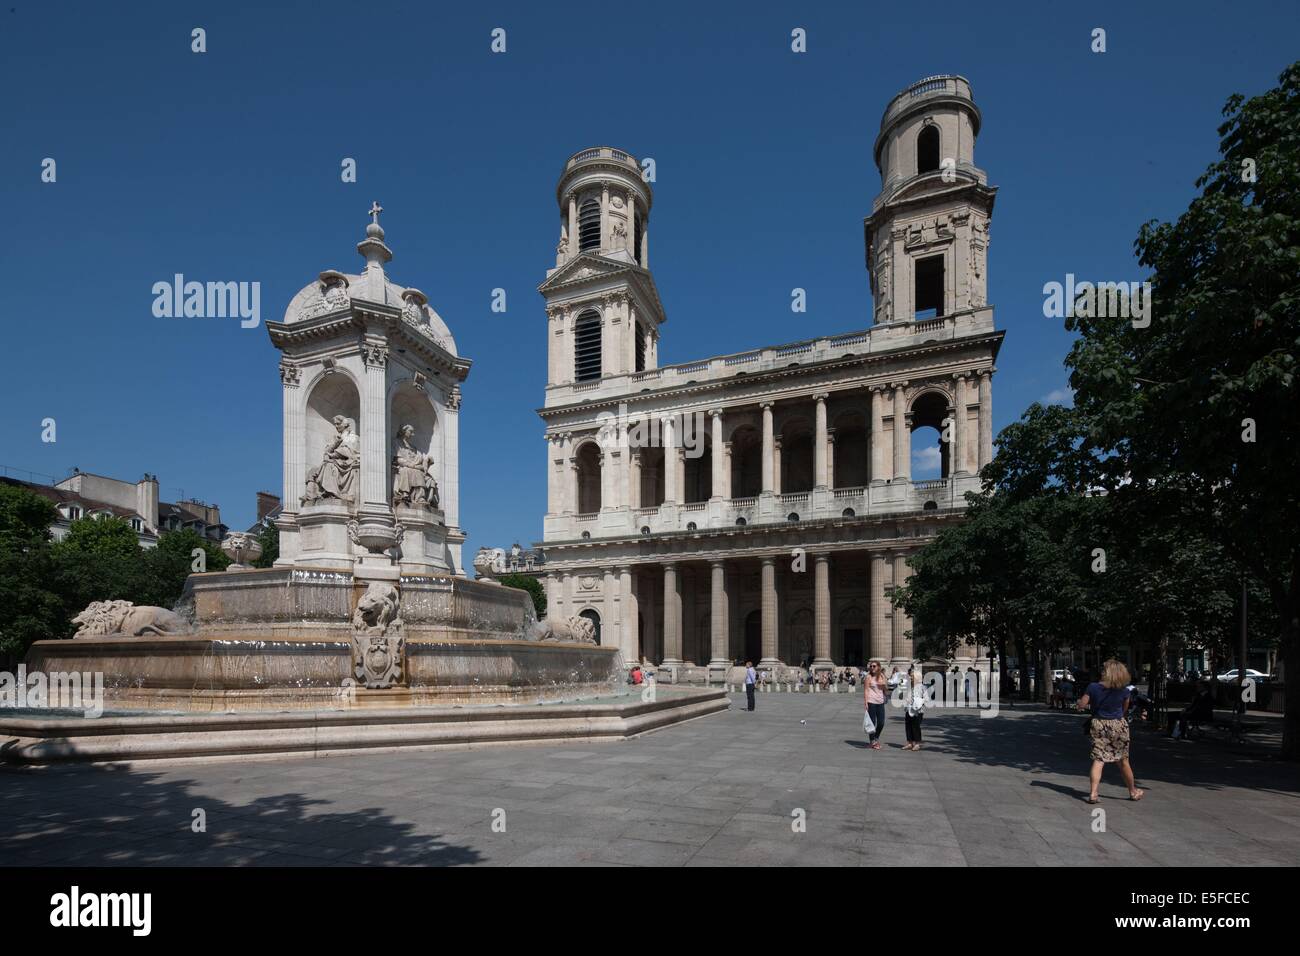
[[413, 481], [336, 475]]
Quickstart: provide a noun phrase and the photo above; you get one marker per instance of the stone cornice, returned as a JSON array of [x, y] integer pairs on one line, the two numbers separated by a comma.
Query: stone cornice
[[740, 542], [773, 376], [362, 317]]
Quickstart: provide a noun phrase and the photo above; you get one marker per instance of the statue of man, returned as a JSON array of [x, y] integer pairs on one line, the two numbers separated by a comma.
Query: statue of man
[[336, 475], [413, 481]]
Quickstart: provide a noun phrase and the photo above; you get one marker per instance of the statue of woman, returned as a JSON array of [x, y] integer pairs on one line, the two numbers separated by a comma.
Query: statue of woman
[[336, 475], [413, 481]]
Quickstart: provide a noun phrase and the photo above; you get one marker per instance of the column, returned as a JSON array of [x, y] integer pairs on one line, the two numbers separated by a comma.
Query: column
[[986, 417], [902, 437], [573, 225], [672, 616], [767, 448], [629, 616], [634, 478], [822, 611], [898, 644], [769, 658], [651, 634], [375, 456], [881, 644], [717, 456], [776, 465], [552, 595], [607, 470], [670, 459], [819, 443], [720, 658], [957, 448], [604, 217], [611, 624], [294, 442], [830, 458], [877, 434], [726, 470], [568, 476]]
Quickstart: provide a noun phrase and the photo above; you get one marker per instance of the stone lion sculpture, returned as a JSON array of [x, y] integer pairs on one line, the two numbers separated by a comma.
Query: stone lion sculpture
[[376, 608], [378, 637], [108, 618], [576, 628], [490, 560]]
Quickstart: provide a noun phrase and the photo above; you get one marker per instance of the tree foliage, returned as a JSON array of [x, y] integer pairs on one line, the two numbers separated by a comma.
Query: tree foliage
[[526, 582]]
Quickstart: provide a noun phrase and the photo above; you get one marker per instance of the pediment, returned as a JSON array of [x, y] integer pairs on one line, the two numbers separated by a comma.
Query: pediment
[[585, 266], [589, 268]]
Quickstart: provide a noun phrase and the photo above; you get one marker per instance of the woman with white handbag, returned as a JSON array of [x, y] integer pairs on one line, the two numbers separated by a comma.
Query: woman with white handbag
[[873, 722], [915, 709]]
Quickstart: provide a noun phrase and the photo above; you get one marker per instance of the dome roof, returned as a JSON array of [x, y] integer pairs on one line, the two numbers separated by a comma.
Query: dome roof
[[333, 291]]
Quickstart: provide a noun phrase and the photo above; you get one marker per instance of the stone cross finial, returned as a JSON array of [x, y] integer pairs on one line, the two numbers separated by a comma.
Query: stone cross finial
[[375, 210]]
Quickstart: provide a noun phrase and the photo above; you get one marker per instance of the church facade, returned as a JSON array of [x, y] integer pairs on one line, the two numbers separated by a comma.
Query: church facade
[[760, 505]]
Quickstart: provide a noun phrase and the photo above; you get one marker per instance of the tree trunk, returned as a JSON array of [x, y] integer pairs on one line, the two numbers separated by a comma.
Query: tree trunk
[[1290, 655], [1022, 658]]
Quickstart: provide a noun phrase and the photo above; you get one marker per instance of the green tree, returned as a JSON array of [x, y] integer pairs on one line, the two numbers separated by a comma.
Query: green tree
[[1204, 404], [100, 559], [172, 561], [525, 582], [269, 537], [30, 610]]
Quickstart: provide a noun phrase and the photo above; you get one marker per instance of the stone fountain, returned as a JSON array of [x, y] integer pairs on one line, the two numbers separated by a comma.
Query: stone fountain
[[368, 604]]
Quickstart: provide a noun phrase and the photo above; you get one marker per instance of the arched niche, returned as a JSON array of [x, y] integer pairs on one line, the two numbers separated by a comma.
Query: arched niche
[[408, 405], [333, 394]]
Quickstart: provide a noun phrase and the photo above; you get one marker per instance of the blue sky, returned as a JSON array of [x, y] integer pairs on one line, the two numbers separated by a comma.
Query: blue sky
[[225, 166]]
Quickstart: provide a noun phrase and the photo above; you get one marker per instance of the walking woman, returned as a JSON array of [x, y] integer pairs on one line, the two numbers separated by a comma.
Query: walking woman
[[874, 683], [1108, 700], [915, 709]]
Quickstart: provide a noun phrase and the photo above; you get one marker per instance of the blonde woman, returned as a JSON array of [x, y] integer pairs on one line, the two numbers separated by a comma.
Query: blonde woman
[[874, 688], [1108, 701]]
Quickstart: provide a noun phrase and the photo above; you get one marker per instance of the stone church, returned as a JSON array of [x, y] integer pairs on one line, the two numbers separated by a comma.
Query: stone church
[[760, 505]]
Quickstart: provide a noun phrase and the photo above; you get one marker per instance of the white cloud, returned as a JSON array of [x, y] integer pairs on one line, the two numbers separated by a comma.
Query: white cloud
[[928, 459], [1058, 396]]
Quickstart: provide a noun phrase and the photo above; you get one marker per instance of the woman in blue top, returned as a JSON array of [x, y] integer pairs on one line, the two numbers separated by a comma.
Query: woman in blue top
[[1108, 700]]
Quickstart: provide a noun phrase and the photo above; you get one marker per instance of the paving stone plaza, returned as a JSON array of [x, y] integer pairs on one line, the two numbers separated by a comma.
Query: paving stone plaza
[[721, 790]]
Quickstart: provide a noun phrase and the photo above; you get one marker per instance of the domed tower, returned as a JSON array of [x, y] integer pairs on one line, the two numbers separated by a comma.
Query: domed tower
[[603, 311], [928, 233]]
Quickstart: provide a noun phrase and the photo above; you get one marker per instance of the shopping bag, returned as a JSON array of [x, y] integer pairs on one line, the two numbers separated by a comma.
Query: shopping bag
[[868, 725]]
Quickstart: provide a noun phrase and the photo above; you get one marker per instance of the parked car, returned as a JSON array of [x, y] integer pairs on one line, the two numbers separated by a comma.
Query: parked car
[[1230, 676]]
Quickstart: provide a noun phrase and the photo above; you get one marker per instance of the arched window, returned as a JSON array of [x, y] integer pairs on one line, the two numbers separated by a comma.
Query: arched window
[[589, 225], [586, 346], [589, 464], [927, 149], [640, 347], [636, 237]]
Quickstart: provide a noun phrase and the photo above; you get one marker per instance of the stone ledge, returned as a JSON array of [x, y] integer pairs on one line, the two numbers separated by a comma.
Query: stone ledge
[[322, 733]]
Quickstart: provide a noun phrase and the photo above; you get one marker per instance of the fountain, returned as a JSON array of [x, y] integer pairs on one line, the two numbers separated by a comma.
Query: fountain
[[366, 623]]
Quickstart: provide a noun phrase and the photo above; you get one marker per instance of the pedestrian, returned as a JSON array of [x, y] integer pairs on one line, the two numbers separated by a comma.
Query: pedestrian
[[750, 677], [1108, 702], [874, 684], [915, 709]]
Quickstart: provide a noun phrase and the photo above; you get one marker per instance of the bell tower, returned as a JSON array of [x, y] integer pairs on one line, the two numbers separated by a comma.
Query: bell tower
[[603, 311], [927, 236]]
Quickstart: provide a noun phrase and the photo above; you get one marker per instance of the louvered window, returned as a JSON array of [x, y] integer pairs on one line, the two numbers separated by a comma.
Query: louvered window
[[640, 347], [586, 347], [636, 238], [589, 225]]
